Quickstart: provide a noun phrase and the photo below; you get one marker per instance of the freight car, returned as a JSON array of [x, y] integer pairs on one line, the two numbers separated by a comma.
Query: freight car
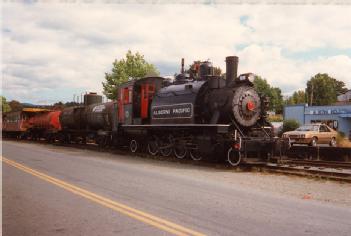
[[92, 121], [44, 124], [17, 123]]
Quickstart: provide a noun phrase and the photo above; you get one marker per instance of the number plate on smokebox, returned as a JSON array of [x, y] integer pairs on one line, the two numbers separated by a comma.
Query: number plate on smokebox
[[183, 110]]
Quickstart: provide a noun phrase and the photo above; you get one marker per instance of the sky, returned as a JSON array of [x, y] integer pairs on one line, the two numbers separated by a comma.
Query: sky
[[52, 51]]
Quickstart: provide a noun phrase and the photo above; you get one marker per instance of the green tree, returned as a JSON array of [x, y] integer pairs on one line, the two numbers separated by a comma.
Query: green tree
[[298, 97], [277, 100], [132, 66], [323, 90], [274, 94], [289, 125], [217, 71], [5, 107], [340, 87]]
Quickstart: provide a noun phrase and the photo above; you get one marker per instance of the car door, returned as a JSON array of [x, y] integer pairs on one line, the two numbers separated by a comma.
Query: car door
[[325, 134]]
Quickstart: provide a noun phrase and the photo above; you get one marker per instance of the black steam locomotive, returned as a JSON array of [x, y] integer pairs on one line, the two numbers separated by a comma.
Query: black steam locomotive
[[199, 114]]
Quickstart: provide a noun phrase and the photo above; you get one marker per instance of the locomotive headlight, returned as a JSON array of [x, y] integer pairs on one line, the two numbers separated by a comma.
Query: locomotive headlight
[[251, 77], [247, 77], [242, 77]]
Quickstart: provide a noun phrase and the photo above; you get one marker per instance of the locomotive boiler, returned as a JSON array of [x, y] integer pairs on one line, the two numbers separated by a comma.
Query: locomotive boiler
[[210, 99]]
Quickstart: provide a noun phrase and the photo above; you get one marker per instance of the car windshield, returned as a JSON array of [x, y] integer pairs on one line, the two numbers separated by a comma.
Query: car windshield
[[308, 128]]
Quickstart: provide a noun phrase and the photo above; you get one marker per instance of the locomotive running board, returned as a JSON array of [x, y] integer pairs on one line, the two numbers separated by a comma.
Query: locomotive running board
[[219, 128], [178, 125]]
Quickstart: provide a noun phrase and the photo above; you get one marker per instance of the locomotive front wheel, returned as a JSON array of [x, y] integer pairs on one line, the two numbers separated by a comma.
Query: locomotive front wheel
[[152, 148], [167, 146], [233, 157], [180, 151], [195, 154], [133, 145], [166, 152]]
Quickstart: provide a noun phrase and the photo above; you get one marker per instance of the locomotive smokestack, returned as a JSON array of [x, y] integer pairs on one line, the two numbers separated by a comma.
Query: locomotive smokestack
[[182, 70], [231, 69]]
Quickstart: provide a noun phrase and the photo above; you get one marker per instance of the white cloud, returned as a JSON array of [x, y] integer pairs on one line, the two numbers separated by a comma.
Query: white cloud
[[288, 74], [57, 50]]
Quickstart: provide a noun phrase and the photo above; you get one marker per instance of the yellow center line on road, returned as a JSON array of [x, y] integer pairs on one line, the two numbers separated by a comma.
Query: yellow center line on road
[[116, 206]]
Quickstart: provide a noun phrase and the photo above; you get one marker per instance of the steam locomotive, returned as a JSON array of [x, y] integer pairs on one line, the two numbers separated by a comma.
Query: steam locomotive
[[199, 114]]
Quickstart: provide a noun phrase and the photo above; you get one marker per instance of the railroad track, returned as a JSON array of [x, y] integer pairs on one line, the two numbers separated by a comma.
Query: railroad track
[[319, 172], [331, 170], [317, 163], [320, 153]]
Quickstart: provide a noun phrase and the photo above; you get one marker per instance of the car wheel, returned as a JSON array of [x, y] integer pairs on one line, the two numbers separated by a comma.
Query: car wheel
[[313, 142], [332, 142]]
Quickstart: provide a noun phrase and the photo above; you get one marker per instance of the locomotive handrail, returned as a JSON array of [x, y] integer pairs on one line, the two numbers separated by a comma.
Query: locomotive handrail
[[237, 127]]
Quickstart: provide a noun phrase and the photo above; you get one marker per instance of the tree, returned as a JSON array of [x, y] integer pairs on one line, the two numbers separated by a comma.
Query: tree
[[15, 105], [340, 87], [194, 68], [217, 71], [58, 106], [298, 97], [323, 90], [133, 66], [274, 94], [5, 107], [277, 100], [289, 125]]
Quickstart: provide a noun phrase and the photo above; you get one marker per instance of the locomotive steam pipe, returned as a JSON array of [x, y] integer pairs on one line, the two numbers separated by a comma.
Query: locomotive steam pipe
[[231, 69]]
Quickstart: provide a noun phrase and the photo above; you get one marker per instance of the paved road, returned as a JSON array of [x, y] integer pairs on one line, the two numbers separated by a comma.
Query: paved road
[[34, 204]]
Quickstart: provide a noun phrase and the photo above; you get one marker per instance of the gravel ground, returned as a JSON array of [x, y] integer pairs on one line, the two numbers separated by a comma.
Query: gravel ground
[[310, 189]]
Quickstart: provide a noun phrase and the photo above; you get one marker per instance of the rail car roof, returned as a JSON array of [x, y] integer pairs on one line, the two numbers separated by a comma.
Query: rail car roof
[[29, 110], [35, 110], [141, 80]]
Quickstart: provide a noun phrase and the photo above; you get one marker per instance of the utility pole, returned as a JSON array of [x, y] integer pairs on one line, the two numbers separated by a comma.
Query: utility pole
[[311, 92]]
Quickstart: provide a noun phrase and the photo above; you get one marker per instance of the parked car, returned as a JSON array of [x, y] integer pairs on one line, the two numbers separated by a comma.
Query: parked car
[[312, 134]]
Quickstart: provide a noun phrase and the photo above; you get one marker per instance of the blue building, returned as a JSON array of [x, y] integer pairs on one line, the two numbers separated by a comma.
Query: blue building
[[337, 117]]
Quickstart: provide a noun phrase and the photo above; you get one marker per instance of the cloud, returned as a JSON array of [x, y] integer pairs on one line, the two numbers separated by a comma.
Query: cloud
[[291, 74], [52, 51]]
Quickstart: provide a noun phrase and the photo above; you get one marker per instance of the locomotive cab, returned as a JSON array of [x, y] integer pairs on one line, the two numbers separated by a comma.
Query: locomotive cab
[[134, 99]]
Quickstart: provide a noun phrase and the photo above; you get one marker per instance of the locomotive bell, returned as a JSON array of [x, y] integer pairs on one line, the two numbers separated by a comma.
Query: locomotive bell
[[231, 70]]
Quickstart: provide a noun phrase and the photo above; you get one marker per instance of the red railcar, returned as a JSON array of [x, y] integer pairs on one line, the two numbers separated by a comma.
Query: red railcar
[[48, 121], [18, 123], [14, 122]]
